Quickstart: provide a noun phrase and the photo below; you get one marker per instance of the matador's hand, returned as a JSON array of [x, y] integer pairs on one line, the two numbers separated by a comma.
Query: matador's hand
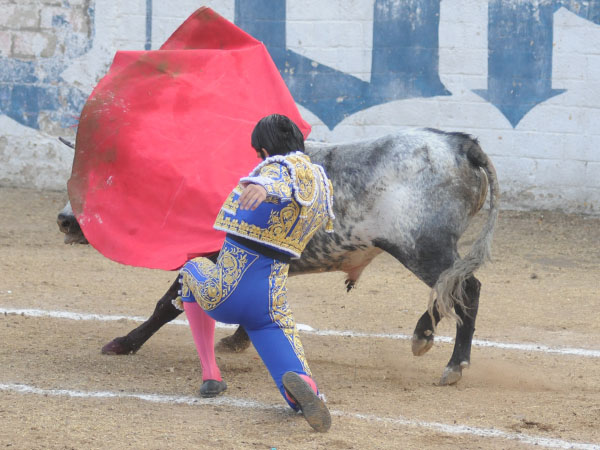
[[252, 196]]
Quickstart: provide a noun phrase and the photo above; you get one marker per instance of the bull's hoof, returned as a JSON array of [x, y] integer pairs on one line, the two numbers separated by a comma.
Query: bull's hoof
[[452, 374], [421, 345], [212, 388], [232, 344], [117, 347]]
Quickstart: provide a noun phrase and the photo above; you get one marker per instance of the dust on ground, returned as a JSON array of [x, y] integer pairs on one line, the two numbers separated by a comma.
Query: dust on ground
[[543, 288]]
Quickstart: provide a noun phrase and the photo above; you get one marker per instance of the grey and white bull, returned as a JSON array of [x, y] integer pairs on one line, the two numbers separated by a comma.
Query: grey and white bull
[[410, 194]]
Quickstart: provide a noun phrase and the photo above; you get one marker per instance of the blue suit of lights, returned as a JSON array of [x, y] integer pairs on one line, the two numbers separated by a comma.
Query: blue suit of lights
[[247, 286]]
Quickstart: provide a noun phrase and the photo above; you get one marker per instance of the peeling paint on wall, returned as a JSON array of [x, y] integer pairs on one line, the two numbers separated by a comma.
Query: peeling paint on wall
[[521, 75], [32, 91]]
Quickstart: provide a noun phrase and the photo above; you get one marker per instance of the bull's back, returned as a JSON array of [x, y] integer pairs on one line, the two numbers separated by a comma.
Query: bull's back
[[393, 188]]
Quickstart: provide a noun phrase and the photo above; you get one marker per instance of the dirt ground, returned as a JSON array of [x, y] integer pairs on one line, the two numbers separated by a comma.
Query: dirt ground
[[57, 391]]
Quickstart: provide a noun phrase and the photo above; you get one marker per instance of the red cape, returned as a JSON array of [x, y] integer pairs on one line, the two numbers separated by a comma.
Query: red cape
[[165, 136]]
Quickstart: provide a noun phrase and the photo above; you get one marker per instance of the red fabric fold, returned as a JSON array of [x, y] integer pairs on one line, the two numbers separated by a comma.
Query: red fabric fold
[[165, 136]]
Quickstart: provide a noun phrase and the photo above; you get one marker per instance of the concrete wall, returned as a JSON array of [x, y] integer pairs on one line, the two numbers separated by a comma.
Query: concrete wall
[[521, 75]]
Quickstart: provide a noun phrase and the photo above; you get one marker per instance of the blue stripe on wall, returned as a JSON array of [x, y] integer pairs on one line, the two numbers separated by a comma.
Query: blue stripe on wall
[[148, 45]]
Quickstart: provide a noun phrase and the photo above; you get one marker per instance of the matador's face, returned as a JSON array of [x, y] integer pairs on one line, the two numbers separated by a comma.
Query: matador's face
[[262, 154]]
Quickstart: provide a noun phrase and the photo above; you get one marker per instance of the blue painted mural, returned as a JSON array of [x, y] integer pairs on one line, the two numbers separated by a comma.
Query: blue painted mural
[[30, 88], [520, 52], [404, 61], [405, 55]]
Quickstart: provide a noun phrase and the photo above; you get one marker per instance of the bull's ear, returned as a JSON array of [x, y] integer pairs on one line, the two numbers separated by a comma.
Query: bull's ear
[[67, 143]]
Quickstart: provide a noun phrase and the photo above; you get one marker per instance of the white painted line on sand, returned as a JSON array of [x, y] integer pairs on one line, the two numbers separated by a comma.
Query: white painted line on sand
[[251, 404], [567, 351]]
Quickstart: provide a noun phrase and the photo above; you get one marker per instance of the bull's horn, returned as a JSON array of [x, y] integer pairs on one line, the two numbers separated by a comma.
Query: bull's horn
[[67, 143]]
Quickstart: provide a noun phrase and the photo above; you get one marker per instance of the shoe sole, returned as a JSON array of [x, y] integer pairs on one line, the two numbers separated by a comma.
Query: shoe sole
[[314, 410]]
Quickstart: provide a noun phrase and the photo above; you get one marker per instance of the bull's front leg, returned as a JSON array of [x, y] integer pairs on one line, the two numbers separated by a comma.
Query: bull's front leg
[[163, 313], [461, 356]]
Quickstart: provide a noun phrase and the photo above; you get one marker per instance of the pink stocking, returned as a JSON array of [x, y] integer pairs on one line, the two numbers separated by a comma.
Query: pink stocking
[[203, 332]]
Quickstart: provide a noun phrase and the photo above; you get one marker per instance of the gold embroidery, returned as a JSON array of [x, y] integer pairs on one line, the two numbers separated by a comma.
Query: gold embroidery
[[280, 312], [231, 204], [290, 225], [305, 178], [218, 280], [280, 222], [281, 186], [277, 234]]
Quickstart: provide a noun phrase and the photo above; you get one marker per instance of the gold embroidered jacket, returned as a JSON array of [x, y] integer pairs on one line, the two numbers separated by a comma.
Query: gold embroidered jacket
[[299, 201]]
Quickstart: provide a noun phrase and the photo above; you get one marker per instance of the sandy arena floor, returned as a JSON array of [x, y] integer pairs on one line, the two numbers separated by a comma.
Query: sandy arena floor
[[57, 391]]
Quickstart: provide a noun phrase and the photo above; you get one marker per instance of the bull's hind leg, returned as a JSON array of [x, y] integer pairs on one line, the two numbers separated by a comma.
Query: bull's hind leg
[[422, 339], [461, 356], [432, 254], [429, 271], [236, 343]]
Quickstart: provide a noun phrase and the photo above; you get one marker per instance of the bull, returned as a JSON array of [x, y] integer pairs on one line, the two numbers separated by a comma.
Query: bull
[[411, 194]]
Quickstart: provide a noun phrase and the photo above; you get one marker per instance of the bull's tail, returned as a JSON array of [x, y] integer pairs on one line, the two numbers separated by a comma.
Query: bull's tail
[[449, 288]]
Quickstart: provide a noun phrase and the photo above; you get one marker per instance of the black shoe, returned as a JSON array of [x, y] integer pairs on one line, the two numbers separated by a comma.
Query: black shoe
[[212, 388], [313, 408]]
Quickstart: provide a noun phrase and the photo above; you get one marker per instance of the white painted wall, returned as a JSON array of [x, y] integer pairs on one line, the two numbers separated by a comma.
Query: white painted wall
[[550, 160]]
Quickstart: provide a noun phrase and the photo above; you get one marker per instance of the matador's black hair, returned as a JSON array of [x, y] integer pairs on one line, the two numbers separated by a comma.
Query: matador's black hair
[[277, 134]]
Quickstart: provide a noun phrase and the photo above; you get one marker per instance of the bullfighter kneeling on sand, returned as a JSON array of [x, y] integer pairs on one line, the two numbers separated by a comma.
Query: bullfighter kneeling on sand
[[269, 218]]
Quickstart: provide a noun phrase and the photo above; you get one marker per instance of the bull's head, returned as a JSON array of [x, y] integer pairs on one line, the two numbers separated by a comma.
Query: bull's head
[[67, 223]]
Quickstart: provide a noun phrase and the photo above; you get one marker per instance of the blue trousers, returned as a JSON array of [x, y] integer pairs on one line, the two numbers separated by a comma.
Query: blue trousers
[[247, 288]]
